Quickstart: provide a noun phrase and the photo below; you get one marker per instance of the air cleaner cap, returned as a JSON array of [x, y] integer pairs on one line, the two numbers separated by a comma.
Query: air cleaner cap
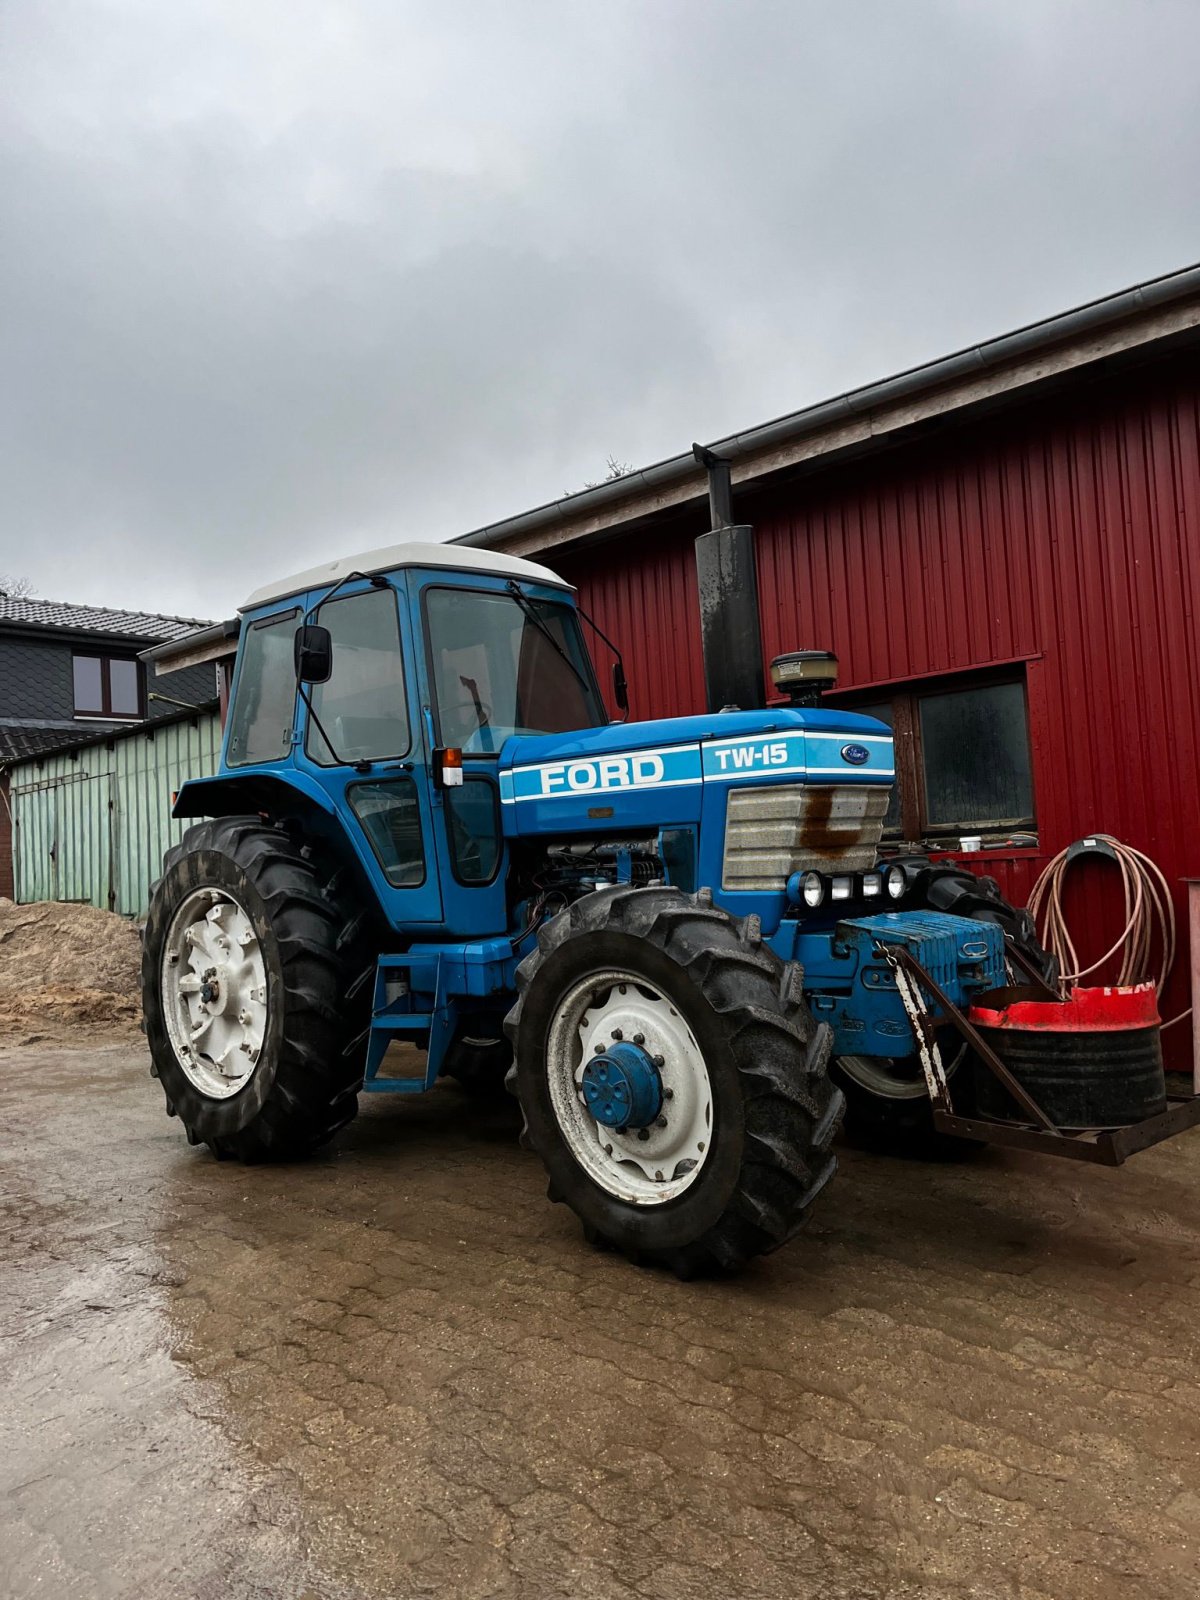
[[813, 670]]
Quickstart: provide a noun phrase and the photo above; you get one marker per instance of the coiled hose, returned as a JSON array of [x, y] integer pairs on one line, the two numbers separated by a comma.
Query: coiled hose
[[1149, 921]]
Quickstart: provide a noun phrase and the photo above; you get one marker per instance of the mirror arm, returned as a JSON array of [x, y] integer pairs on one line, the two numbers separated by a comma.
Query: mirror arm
[[623, 704]]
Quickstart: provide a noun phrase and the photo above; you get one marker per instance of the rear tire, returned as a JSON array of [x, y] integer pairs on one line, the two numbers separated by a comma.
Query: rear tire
[[725, 1002], [293, 1079]]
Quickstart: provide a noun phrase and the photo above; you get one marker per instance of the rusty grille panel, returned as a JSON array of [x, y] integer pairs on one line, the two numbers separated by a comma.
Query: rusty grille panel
[[771, 832]]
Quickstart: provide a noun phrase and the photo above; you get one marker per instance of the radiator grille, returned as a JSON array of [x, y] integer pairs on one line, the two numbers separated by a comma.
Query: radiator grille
[[773, 831]]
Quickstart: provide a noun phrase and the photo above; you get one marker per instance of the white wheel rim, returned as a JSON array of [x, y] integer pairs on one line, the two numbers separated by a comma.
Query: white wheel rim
[[893, 1079], [214, 992], [658, 1168]]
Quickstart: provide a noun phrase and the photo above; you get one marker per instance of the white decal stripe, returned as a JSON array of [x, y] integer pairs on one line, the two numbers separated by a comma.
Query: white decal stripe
[[610, 755], [851, 772], [753, 774], [609, 788]]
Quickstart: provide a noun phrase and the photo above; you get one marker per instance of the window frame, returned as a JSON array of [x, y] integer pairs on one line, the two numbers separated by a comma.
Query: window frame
[[108, 714], [430, 667], [904, 698], [395, 781], [271, 620], [473, 776], [310, 726]]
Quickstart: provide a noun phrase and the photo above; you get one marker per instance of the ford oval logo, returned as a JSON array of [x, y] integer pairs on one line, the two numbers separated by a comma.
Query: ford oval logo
[[856, 754]]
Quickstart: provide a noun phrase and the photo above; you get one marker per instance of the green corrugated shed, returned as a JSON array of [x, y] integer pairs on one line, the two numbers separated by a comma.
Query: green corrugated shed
[[93, 822]]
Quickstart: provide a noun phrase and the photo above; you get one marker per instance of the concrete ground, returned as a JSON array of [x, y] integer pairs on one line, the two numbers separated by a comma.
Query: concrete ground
[[398, 1370]]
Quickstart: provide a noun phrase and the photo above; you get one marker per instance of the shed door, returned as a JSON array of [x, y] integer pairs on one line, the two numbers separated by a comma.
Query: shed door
[[35, 856], [64, 840]]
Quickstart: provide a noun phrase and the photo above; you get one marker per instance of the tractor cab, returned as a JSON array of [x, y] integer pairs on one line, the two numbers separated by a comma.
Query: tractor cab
[[372, 698]]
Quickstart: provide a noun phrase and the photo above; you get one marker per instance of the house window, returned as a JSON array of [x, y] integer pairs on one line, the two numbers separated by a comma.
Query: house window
[[962, 758], [109, 687]]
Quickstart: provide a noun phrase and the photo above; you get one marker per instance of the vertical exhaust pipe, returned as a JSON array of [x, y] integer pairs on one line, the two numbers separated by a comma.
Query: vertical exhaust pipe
[[730, 631]]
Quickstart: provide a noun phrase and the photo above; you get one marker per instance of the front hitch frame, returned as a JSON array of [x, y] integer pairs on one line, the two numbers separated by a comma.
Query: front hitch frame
[[1108, 1147]]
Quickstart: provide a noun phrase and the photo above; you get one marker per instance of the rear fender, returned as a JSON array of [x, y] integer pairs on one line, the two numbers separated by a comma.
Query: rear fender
[[294, 798], [250, 792]]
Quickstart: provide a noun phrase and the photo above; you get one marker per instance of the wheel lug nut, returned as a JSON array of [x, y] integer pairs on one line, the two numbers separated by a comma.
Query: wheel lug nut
[[660, 1061], [643, 1133], [661, 1122], [617, 1034], [639, 1038], [668, 1094], [608, 1149], [600, 1049]]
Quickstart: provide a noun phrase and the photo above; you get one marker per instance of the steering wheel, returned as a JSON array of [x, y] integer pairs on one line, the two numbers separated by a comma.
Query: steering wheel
[[446, 712]]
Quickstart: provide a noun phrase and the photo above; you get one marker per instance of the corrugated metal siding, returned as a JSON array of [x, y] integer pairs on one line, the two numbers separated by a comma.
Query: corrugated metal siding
[[644, 597], [95, 826], [1068, 535]]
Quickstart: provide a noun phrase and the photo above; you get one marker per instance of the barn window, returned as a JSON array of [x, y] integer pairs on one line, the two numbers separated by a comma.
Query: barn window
[[108, 687], [962, 758]]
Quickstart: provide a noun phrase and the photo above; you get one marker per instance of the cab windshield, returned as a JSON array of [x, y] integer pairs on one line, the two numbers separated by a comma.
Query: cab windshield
[[505, 664]]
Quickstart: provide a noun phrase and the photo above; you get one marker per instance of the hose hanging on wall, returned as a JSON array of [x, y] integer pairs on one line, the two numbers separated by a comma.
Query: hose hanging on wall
[[1149, 917]]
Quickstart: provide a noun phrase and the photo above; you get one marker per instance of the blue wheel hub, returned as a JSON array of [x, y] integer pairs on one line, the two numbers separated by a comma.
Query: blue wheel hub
[[622, 1088]]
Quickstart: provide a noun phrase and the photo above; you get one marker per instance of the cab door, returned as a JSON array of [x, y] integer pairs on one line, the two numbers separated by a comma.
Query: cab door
[[361, 738]]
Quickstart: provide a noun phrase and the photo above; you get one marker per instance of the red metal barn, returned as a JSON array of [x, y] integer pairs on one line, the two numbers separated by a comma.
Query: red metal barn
[[1003, 549]]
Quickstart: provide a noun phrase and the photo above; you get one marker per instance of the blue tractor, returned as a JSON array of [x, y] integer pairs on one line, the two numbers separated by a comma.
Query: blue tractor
[[675, 939]]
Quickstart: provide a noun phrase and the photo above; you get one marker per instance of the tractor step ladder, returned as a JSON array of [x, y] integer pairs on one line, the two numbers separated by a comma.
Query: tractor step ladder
[[394, 1022]]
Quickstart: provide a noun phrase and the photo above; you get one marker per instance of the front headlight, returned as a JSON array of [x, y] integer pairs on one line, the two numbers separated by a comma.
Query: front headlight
[[896, 882], [842, 888], [812, 887], [871, 885]]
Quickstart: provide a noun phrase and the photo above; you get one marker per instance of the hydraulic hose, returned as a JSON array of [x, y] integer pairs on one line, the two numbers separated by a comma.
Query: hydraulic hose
[[1149, 921]]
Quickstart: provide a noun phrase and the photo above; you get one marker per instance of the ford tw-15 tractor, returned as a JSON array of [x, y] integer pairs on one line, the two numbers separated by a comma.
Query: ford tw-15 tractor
[[676, 940]]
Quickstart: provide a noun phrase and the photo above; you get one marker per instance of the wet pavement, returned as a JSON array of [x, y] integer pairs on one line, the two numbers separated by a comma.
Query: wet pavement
[[397, 1370]]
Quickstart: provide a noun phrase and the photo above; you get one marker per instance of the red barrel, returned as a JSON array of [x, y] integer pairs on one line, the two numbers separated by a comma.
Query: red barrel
[[1093, 1060]]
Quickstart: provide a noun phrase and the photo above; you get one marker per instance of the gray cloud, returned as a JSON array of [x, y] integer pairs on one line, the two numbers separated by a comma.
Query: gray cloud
[[285, 280]]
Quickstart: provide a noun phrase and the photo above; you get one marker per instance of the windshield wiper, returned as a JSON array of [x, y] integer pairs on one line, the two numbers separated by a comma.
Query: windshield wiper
[[526, 606]]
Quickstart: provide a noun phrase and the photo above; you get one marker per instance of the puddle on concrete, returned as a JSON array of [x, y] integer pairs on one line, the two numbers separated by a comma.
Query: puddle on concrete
[[396, 1370]]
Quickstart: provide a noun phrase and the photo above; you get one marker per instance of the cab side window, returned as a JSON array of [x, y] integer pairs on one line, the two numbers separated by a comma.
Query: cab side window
[[362, 708], [264, 705]]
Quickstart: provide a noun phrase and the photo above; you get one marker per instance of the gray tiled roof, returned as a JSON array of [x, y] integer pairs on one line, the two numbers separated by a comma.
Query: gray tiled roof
[[60, 614], [18, 742]]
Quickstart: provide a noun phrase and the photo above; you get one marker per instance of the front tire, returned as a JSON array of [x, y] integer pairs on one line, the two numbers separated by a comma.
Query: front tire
[[255, 988], [478, 1063], [743, 1147]]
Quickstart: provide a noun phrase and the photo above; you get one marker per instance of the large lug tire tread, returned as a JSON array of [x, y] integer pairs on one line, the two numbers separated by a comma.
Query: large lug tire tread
[[905, 1127], [314, 938], [479, 1065], [760, 1041], [962, 893]]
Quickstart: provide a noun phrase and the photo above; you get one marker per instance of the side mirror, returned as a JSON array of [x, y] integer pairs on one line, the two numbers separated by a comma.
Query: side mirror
[[620, 686], [314, 653]]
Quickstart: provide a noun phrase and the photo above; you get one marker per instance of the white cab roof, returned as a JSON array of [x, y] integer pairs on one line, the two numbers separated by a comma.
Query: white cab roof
[[462, 558]]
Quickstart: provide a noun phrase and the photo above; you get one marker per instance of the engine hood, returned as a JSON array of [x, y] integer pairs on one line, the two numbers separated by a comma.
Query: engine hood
[[653, 774]]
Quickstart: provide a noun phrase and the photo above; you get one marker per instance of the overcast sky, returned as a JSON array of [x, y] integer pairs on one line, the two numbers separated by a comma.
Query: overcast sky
[[283, 280]]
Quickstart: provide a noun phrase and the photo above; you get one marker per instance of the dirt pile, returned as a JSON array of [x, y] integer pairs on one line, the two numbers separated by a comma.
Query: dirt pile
[[65, 966]]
